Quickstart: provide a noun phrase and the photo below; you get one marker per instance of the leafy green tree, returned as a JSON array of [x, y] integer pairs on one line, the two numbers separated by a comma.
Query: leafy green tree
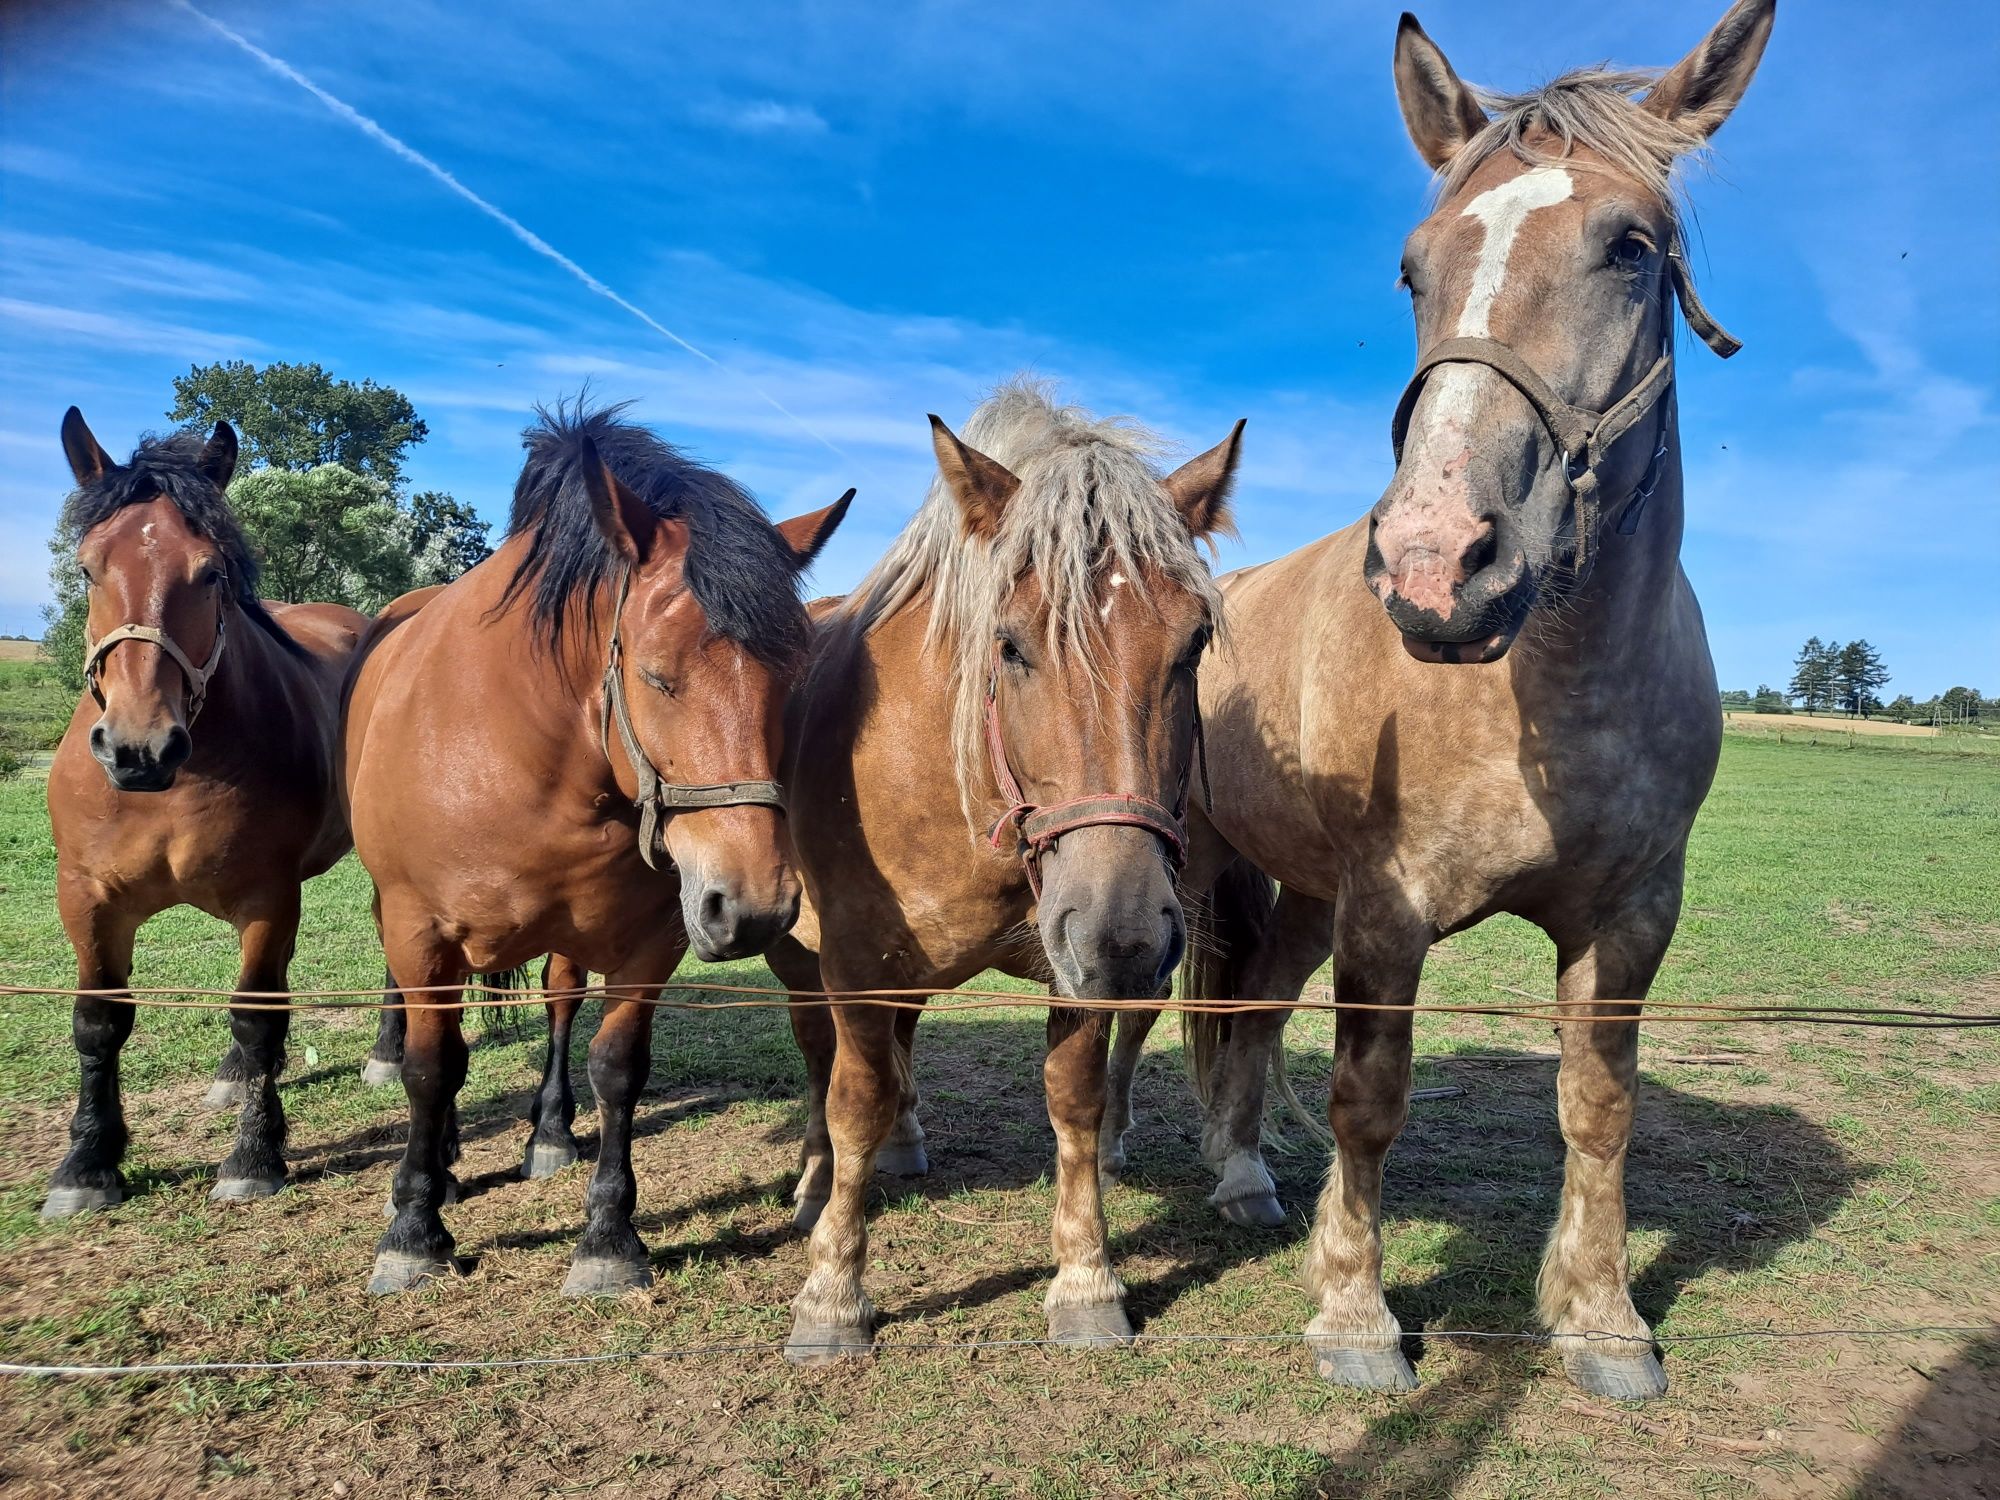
[[1813, 674], [1960, 705], [327, 534], [64, 620], [1903, 710], [446, 537], [1770, 701], [300, 417], [1857, 673], [1736, 698]]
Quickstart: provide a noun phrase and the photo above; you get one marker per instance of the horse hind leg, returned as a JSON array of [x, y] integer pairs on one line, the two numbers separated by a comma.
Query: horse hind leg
[[1134, 1026], [797, 968], [904, 1153], [88, 1175], [551, 1142], [255, 1167], [385, 1058]]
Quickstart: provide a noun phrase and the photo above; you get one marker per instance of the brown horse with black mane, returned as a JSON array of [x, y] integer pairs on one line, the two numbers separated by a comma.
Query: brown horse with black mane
[[198, 770], [571, 749], [993, 750], [1382, 753]]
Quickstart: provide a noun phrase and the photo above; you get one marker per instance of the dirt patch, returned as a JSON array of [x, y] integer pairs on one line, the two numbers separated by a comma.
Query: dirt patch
[[1830, 725]]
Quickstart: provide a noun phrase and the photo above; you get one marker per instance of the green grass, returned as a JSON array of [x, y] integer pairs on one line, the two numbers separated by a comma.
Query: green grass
[[34, 712], [1836, 1177]]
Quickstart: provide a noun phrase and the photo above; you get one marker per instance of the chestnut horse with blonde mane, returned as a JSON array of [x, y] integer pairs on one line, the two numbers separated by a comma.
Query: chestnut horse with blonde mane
[[199, 769], [993, 751], [1494, 693], [572, 749]]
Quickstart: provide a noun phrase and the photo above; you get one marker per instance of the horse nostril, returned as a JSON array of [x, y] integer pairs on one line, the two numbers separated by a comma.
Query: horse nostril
[[100, 741], [1480, 554], [179, 746], [713, 903]]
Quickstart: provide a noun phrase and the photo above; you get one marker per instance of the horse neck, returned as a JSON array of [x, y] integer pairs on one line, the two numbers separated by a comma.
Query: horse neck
[[1622, 620]]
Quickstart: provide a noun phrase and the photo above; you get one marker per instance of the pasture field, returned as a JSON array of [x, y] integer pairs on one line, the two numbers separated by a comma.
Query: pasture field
[[1788, 1177]]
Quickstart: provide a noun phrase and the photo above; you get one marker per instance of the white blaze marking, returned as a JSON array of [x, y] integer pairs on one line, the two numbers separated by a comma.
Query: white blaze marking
[[1453, 391], [1503, 210], [1117, 582]]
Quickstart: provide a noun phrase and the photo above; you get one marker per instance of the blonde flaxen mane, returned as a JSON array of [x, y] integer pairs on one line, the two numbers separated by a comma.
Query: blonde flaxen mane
[[1090, 501]]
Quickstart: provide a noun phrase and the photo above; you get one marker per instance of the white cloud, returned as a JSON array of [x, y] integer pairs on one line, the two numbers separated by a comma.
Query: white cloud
[[765, 117]]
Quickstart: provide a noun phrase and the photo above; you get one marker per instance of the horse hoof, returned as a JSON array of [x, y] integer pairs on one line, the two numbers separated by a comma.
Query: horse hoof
[[822, 1343], [376, 1073], [1102, 1326], [62, 1202], [1258, 1211], [1616, 1377], [397, 1272], [604, 1276], [806, 1212], [1367, 1369], [1110, 1162], [231, 1189], [905, 1160], [224, 1094], [546, 1158]]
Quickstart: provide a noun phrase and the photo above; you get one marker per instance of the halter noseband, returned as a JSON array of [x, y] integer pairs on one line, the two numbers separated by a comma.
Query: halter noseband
[[1584, 437], [198, 678], [1031, 831], [656, 796]]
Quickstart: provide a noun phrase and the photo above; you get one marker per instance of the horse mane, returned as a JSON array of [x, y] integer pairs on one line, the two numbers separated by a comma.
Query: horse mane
[[1090, 496], [1596, 108], [169, 468], [738, 567]]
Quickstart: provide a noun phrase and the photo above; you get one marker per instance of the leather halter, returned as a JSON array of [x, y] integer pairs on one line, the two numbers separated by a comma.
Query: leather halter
[[658, 797], [1584, 437], [1031, 830], [198, 678]]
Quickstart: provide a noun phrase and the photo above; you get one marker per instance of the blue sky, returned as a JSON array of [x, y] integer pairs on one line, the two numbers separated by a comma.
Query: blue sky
[[1188, 213]]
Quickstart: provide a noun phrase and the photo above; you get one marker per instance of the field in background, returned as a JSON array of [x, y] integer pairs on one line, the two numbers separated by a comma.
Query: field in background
[[20, 650], [1790, 1177]]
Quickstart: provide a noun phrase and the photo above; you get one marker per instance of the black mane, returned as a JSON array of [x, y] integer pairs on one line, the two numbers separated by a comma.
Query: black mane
[[168, 468], [741, 572]]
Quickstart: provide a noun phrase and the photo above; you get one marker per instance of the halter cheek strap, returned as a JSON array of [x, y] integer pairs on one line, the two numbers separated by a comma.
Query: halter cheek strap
[[198, 678], [1583, 436], [1031, 831], [658, 797]]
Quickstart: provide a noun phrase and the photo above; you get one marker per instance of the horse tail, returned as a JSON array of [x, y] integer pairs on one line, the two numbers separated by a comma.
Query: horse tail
[[499, 984], [1222, 931]]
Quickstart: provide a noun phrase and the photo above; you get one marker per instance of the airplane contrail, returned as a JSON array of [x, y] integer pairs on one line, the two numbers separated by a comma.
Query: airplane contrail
[[500, 216]]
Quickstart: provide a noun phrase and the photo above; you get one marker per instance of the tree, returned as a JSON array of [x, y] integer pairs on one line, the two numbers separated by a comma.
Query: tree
[[1903, 709], [446, 537], [328, 534], [1736, 698], [1812, 678], [1857, 673], [65, 620], [1770, 701], [1960, 705], [300, 417]]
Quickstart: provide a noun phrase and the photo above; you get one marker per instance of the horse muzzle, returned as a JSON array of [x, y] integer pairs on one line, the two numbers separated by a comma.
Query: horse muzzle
[[141, 764]]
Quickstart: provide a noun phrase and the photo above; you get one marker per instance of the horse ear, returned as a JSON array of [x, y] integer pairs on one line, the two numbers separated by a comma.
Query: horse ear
[[1699, 91], [87, 460], [1200, 487], [624, 520], [218, 456], [805, 535], [982, 487], [1439, 111]]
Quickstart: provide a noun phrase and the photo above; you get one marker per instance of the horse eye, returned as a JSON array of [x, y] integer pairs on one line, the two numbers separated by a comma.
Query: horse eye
[[656, 682], [1011, 653], [1629, 251]]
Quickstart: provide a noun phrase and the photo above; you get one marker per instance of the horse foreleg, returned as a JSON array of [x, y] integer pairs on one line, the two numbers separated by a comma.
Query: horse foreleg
[[610, 1257], [1086, 1301], [1585, 1285], [1295, 942], [88, 1176], [832, 1315], [417, 1247], [551, 1143], [385, 1058], [255, 1168], [1377, 960]]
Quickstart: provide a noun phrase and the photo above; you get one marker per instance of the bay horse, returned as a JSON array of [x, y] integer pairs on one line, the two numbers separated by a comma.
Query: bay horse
[[197, 770], [991, 755], [1494, 693], [571, 749]]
